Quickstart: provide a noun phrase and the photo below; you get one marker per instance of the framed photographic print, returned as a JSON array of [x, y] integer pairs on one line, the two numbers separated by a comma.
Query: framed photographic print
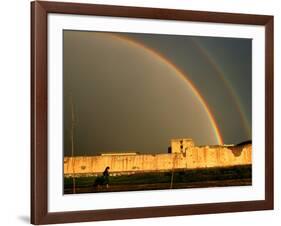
[[148, 112]]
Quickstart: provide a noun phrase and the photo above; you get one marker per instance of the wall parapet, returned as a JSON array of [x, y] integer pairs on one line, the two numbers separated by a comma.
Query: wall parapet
[[184, 155]]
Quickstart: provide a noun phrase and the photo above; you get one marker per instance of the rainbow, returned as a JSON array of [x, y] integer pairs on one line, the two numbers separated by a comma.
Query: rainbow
[[181, 74], [231, 90]]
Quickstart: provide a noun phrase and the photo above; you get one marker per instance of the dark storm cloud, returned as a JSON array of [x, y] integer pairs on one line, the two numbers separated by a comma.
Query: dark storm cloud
[[121, 106]]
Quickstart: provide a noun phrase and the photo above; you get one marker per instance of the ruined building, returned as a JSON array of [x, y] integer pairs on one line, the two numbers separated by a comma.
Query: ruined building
[[182, 154]]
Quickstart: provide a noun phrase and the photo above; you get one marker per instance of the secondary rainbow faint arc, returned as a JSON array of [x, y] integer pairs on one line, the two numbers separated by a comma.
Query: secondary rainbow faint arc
[[233, 94], [182, 75]]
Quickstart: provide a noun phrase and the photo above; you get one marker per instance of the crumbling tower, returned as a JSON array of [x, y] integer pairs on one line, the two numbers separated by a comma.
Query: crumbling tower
[[181, 145]]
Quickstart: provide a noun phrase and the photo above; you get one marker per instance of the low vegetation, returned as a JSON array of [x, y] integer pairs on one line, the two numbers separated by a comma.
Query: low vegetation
[[182, 178]]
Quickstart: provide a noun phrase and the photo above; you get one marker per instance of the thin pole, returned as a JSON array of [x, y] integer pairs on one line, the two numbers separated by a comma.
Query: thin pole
[[72, 144], [173, 166]]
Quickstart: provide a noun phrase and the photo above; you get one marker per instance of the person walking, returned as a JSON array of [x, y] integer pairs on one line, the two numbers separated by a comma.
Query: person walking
[[106, 176]]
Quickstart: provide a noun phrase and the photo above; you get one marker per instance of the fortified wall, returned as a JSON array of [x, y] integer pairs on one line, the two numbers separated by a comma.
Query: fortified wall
[[182, 154]]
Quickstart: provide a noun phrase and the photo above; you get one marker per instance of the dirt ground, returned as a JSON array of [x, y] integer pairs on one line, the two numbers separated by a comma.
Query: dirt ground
[[159, 186]]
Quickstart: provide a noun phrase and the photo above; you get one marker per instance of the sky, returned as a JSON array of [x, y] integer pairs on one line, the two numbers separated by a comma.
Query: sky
[[132, 92]]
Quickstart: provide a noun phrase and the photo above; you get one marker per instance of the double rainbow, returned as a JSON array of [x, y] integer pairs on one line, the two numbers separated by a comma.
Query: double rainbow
[[182, 75]]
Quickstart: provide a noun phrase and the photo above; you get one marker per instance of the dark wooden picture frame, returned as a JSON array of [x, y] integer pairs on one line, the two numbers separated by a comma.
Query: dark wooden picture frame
[[39, 109]]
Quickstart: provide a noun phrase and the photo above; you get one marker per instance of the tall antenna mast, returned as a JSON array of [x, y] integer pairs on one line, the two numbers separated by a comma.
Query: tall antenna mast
[[72, 143]]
